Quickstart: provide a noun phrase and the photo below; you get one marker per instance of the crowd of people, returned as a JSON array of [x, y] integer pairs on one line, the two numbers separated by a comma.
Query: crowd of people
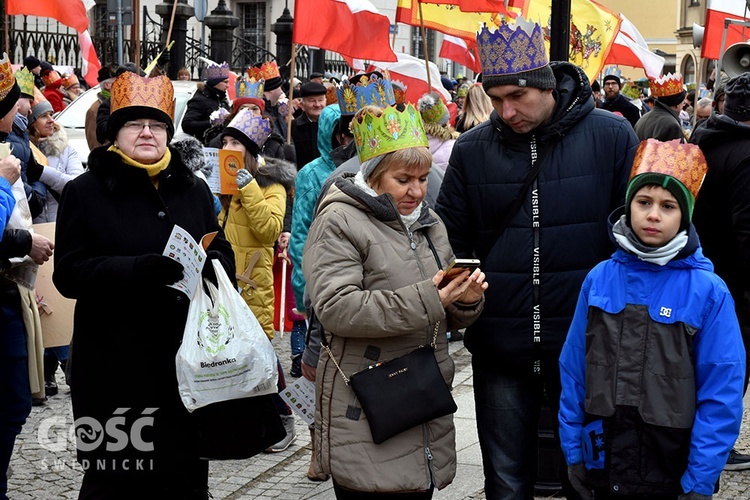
[[611, 287]]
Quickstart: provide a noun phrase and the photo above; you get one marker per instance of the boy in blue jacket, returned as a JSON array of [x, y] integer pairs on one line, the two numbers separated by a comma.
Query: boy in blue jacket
[[652, 368]]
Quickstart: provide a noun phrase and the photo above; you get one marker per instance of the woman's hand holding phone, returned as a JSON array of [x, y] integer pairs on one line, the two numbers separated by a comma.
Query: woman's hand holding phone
[[461, 286], [475, 289]]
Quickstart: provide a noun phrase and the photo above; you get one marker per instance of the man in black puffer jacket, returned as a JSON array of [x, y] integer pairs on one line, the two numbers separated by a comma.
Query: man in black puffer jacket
[[721, 216], [543, 113]]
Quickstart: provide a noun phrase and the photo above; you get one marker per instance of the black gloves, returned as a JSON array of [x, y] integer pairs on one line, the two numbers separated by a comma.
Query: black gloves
[[163, 58], [208, 272], [156, 269], [33, 170], [577, 477]]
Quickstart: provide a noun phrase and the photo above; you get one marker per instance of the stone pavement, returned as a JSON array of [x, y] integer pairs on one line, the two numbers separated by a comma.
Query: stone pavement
[[44, 465]]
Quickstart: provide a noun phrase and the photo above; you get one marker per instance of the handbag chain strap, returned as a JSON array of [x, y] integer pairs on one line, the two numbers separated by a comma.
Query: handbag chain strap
[[327, 347], [324, 342]]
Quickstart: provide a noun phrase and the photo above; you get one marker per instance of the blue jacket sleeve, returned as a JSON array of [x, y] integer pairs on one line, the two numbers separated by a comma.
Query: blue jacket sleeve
[[7, 202], [719, 380], [573, 381]]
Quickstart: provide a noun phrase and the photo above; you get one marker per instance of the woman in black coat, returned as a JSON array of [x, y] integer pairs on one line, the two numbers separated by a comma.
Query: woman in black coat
[[209, 97], [135, 437]]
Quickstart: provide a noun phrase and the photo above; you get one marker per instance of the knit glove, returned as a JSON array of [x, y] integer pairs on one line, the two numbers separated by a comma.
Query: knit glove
[[156, 269], [694, 496], [577, 477], [243, 178]]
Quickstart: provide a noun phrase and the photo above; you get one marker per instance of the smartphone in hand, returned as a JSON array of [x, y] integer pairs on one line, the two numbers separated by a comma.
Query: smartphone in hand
[[457, 267]]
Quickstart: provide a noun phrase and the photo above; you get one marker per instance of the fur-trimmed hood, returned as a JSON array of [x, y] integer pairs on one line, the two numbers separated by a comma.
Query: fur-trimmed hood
[[55, 144], [277, 171]]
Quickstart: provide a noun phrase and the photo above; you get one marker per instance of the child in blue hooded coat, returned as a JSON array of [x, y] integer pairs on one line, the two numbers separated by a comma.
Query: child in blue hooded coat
[[652, 369]]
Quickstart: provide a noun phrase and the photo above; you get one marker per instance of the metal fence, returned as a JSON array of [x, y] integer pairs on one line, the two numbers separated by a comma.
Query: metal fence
[[51, 41]]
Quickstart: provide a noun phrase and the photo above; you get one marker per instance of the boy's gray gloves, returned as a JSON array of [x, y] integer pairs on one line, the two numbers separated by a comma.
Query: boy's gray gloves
[[577, 477], [694, 496], [244, 177]]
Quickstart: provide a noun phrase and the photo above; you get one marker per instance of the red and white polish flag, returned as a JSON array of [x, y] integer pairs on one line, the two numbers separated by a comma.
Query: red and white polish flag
[[352, 28]]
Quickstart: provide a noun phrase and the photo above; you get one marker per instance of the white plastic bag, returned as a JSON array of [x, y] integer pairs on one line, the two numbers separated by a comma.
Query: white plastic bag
[[225, 353]]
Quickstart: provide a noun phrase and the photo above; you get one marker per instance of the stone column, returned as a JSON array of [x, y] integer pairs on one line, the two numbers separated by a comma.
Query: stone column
[[183, 12], [282, 28], [222, 22]]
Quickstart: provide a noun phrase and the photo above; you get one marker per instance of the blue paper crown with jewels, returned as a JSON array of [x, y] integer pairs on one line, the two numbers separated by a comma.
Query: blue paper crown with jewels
[[365, 90], [214, 71], [249, 87], [511, 48]]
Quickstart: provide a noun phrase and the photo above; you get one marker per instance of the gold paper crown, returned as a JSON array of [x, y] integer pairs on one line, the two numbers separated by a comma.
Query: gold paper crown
[[38, 97], [390, 132], [666, 85], [684, 162], [25, 79], [51, 77], [266, 71], [511, 49], [69, 81], [331, 97], [130, 89], [399, 91], [7, 80]]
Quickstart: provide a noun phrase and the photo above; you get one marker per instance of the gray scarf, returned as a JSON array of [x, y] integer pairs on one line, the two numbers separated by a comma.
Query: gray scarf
[[627, 239]]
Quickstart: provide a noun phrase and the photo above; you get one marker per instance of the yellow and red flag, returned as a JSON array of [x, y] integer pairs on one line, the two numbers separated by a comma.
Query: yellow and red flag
[[593, 29], [492, 6], [445, 18]]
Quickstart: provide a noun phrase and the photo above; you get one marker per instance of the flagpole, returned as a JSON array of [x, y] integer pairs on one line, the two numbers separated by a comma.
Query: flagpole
[[291, 96], [424, 46], [7, 38], [171, 23], [135, 32]]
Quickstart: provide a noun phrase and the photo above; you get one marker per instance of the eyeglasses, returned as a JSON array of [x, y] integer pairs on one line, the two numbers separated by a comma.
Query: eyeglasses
[[610, 84], [137, 127]]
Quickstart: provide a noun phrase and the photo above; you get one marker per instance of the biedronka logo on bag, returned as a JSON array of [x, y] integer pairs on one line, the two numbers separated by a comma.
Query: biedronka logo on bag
[[225, 353], [216, 331]]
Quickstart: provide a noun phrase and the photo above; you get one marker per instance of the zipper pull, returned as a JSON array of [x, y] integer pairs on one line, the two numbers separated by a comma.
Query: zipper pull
[[428, 453], [411, 240]]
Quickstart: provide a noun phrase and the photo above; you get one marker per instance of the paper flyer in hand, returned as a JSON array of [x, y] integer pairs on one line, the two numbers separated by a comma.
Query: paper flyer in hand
[[229, 163], [300, 396], [183, 248], [212, 159]]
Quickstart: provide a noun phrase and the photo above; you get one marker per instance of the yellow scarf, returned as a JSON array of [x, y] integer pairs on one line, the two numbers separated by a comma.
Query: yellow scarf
[[152, 169]]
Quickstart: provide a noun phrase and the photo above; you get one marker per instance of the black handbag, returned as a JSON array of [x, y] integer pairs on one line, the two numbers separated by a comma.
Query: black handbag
[[402, 393]]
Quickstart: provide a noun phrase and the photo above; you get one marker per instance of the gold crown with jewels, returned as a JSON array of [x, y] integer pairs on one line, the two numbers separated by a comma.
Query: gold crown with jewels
[[266, 71], [666, 85], [130, 89]]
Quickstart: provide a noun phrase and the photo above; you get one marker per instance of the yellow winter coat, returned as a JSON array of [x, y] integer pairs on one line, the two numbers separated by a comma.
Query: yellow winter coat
[[254, 222]]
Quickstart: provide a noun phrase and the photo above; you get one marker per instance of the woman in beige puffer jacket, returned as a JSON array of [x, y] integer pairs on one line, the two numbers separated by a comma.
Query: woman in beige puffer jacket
[[371, 275]]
